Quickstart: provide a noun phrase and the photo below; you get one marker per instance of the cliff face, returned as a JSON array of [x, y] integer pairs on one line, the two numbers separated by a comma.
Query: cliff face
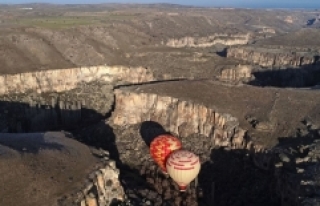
[[66, 79], [272, 56], [44, 100], [180, 117], [103, 187], [208, 41], [30, 112], [211, 108], [305, 76], [239, 73]]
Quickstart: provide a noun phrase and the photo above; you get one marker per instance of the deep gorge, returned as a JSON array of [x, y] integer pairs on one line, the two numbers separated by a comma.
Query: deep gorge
[[124, 120]]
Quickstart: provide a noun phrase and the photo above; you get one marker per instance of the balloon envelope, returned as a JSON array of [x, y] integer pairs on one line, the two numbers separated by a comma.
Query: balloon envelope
[[183, 166], [161, 147]]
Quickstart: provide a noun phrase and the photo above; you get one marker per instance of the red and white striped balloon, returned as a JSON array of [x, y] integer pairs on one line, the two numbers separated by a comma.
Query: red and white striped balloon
[[183, 166]]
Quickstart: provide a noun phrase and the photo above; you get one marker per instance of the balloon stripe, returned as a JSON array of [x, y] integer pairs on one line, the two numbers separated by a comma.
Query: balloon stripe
[[184, 161], [184, 168], [195, 162], [174, 163]]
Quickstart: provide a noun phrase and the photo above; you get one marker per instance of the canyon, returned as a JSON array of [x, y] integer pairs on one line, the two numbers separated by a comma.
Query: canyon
[[80, 104]]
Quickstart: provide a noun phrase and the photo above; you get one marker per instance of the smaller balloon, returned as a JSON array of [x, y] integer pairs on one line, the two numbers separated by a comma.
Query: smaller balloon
[[161, 147], [183, 166]]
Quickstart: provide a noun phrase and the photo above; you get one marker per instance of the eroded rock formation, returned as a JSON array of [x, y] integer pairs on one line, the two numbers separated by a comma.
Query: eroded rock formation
[[209, 41], [180, 117], [273, 56], [66, 79], [102, 187], [239, 73]]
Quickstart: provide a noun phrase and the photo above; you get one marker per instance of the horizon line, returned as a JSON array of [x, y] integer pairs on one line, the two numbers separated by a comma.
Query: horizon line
[[164, 3]]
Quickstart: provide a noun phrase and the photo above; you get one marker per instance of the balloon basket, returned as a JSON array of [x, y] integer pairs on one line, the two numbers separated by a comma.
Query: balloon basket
[[183, 188]]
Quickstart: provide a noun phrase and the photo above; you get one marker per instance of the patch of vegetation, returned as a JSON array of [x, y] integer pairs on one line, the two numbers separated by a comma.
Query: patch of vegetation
[[55, 22], [61, 22]]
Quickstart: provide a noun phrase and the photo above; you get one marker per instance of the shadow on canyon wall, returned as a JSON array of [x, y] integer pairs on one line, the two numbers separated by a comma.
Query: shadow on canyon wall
[[305, 76], [16, 117], [31, 122], [150, 130]]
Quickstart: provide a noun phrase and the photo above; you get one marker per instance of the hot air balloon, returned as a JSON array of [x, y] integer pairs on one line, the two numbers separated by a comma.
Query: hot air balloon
[[161, 147], [183, 166]]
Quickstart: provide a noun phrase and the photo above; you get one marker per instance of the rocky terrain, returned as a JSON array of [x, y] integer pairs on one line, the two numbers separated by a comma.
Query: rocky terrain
[[109, 78], [53, 37], [35, 165]]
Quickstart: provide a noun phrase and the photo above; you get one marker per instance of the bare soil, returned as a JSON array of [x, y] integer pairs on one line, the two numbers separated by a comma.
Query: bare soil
[[306, 37], [40, 168]]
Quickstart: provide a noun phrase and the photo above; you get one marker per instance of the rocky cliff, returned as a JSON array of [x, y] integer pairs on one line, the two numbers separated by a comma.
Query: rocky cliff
[[209, 41], [31, 112], [236, 74], [297, 77], [180, 117], [66, 79], [217, 110], [46, 100], [273, 56], [102, 187]]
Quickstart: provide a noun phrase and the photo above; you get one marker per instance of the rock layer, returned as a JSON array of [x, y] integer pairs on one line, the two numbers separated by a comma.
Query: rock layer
[[180, 117], [239, 73], [203, 105], [65, 79], [209, 41], [273, 56]]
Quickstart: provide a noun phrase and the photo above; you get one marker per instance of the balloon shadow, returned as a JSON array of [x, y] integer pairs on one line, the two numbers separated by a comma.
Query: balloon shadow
[[150, 130]]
